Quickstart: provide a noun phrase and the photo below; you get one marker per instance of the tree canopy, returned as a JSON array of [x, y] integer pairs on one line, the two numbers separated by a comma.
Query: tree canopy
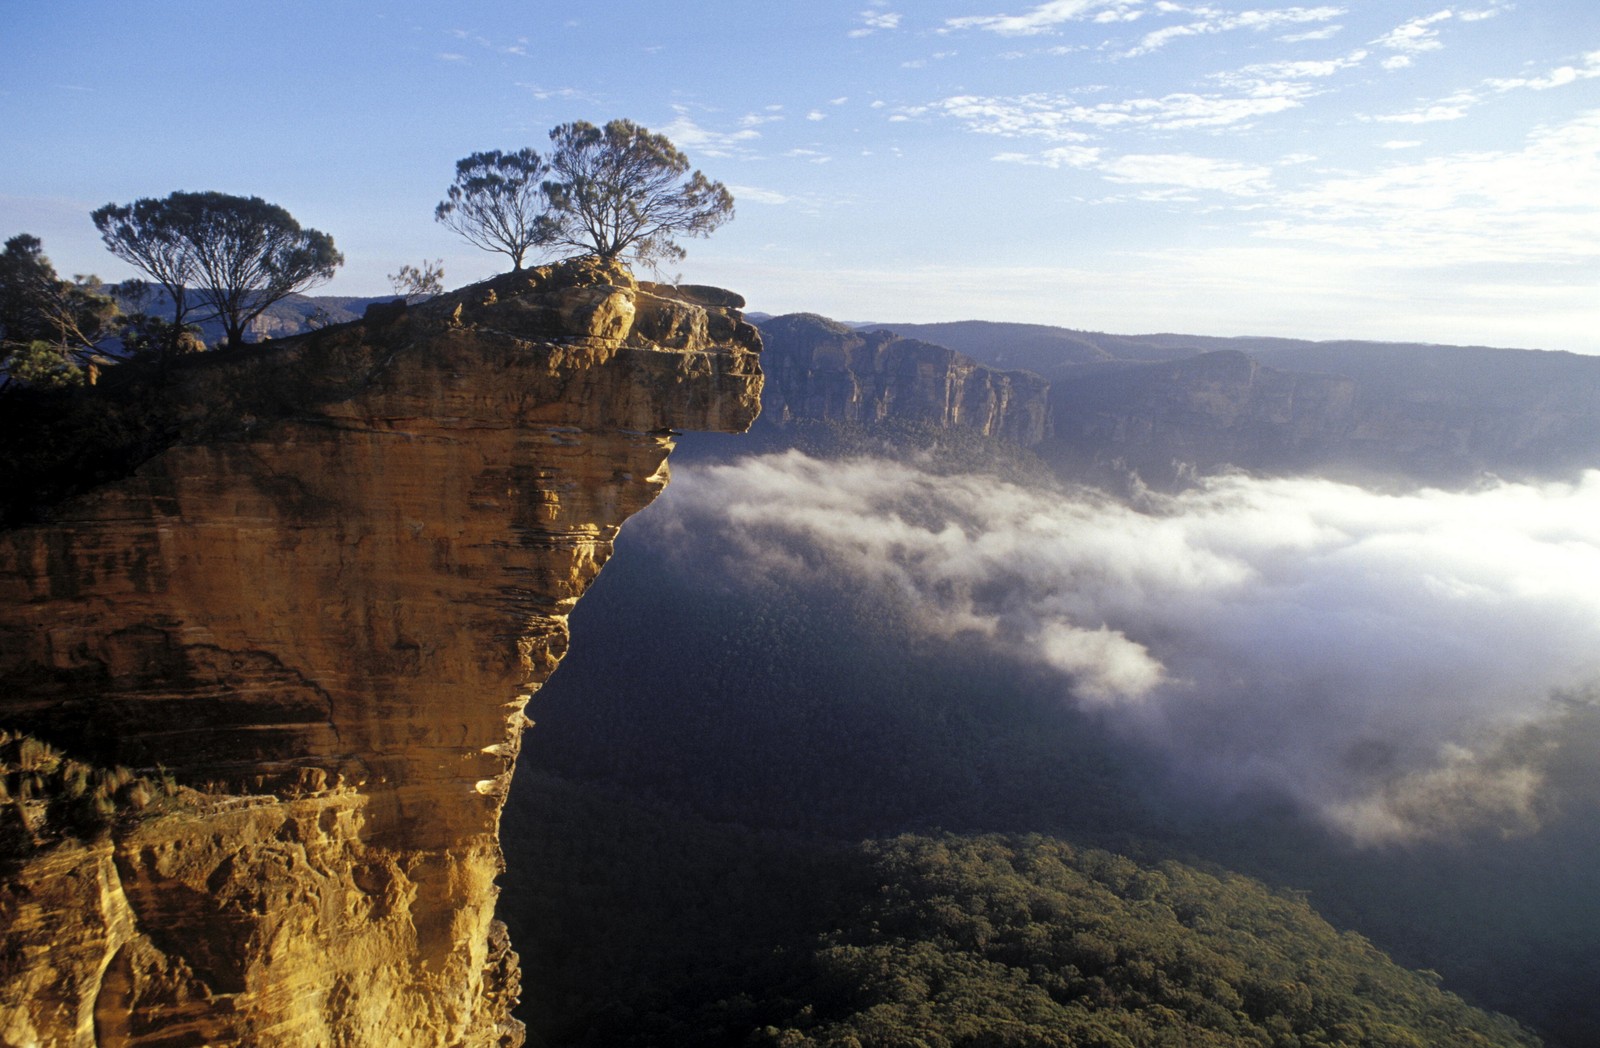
[[48, 326], [622, 188], [243, 253], [606, 191], [498, 202], [148, 234]]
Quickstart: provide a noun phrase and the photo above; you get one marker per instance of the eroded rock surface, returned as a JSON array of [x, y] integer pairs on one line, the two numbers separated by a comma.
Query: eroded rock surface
[[323, 598]]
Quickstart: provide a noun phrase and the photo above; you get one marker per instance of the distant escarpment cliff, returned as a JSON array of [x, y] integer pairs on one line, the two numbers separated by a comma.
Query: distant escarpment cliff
[[1163, 404], [818, 369], [268, 624]]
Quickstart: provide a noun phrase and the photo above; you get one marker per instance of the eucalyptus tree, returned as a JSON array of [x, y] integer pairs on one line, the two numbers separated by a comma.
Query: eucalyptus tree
[[624, 189], [241, 254], [611, 191], [498, 202], [49, 327]]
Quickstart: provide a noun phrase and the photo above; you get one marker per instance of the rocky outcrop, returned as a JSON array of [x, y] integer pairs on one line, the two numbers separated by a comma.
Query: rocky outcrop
[[319, 596], [819, 369]]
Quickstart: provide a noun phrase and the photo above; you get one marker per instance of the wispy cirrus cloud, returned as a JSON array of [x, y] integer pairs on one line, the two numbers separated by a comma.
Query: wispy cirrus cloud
[[1294, 69], [1325, 33], [755, 194], [1064, 119], [1171, 171], [1561, 76], [1456, 105], [1210, 20], [876, 21], [1530, 205], [1412, 38], [1452, 107], [1046, 17]]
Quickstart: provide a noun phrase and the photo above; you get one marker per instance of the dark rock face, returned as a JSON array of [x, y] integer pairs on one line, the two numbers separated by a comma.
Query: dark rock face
[[325, 599], [818, 369]]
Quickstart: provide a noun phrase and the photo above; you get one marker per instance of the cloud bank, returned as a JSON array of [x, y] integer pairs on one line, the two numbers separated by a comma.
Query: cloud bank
[[1386, 661]]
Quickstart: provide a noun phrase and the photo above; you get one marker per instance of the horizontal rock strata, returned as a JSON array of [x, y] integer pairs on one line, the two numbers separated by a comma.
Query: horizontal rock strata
[[320, 603]]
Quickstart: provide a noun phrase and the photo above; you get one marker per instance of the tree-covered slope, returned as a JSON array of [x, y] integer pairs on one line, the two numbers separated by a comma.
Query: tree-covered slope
[[639, 926]]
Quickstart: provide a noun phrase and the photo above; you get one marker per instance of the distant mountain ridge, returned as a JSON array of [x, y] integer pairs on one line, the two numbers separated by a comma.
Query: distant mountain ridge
[[1165, 404], [819, 369], [1095, 404]]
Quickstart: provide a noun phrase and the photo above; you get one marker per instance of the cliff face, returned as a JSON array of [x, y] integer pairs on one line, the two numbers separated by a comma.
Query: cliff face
[[1209, 410], [325, 604], [818, 369]]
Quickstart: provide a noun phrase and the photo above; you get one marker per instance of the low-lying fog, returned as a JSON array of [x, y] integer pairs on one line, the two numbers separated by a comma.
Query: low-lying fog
[[1399, 665]]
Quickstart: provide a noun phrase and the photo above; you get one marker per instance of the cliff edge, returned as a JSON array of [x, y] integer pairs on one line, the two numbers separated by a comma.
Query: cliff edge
[[262, 683]]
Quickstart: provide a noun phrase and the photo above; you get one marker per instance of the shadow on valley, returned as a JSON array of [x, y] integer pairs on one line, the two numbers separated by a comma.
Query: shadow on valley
[[687, 866], [844, 754]]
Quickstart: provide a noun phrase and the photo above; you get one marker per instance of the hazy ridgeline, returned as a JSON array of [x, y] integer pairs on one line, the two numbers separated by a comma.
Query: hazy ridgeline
[[1383, 698]]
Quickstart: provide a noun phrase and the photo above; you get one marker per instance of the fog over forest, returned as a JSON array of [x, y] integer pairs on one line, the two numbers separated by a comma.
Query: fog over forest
[[1399, 665]]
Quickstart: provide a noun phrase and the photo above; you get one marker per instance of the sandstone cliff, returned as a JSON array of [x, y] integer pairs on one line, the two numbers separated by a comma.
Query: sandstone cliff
[[819, 369], [316, 588]]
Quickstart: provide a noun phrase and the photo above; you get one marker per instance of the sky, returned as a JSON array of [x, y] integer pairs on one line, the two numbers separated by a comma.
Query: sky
[[1406, 171]]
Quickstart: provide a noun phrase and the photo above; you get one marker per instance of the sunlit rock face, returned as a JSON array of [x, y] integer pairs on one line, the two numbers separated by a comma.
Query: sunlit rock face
[[820, 369], [326, 602]]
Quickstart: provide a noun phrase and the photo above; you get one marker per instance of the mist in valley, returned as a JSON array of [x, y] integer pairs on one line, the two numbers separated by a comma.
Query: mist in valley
[[1387, 698], [1394, 663]]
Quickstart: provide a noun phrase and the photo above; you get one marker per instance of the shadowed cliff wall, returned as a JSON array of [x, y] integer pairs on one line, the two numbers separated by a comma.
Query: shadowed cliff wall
[[323, 597]]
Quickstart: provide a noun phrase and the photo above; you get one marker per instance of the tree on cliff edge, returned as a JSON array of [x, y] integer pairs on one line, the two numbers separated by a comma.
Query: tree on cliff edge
[[498, 202], [621, 188], [613, 190], [244, 253], [48, 326]]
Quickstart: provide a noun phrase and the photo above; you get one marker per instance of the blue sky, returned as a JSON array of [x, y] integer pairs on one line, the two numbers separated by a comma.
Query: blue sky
[[1398, 170]]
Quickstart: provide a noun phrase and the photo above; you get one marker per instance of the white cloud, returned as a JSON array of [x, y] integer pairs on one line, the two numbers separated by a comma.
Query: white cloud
[[691, 137], [1061, 118], [1295, 69], [873, 21], [1456, 106], [759, 196], [1558, 77], [1215, 21], [810, 155], [544, 94], [1409, 143], [1532, 205], [1417, 35], [1047, 16], [1453, 108], [1368, 655], [1061, 156], [1325, 33], [1189, 172], [1180, 170]]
